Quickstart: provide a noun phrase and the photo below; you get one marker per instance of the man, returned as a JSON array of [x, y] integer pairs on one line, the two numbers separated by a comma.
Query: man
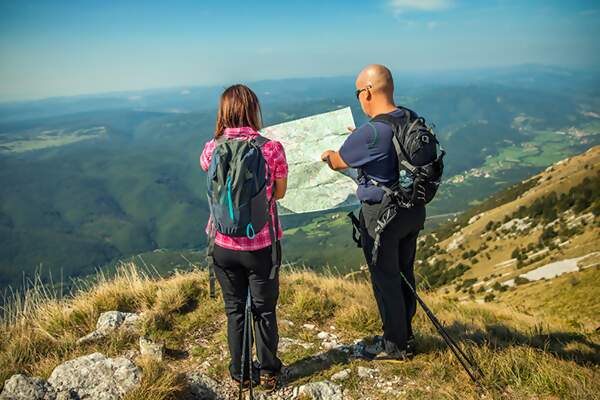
[[369, 148]]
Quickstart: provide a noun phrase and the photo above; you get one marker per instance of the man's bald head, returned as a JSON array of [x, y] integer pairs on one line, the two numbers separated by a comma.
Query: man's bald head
[[378, 77], [375, 90]]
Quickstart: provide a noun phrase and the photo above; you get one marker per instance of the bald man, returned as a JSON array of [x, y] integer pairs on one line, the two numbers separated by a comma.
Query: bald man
[[369, 148]]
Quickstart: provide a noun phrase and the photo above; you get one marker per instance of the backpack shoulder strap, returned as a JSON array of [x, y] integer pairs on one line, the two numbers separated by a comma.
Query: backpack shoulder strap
[[398, 125], [220, 139], [387, 119], [260, 140]]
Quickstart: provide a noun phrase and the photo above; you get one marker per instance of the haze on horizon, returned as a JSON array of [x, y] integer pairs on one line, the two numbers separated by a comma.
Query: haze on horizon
[[63, 48]]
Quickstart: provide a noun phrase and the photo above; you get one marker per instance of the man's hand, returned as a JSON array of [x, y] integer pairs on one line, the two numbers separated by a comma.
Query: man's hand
[[333, 159], [326, 154]]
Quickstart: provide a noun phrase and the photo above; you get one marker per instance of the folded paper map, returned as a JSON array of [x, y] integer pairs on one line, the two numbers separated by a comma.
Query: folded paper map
[[312, 185]]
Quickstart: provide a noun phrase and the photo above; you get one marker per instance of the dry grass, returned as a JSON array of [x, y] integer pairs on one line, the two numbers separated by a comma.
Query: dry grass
[[522, 356], [39, 330], [159, 382]]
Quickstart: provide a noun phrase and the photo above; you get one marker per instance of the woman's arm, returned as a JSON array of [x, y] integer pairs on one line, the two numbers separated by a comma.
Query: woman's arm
[[206, 155], [280, 188]]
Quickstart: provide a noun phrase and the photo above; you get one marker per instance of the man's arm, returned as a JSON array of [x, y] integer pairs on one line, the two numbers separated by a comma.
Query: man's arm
[[334, 160]]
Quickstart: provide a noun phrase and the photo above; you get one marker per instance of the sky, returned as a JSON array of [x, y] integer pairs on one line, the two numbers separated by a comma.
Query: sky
[[60, 48]]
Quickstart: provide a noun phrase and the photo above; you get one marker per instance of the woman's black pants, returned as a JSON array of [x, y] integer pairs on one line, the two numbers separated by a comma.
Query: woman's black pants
[[237, 271]]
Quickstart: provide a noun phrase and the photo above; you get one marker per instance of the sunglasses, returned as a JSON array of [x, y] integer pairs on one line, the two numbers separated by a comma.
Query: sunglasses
[[359, 91]]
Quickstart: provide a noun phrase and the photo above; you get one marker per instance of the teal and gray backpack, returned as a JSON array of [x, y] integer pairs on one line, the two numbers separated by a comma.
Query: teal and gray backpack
[[237, 181]]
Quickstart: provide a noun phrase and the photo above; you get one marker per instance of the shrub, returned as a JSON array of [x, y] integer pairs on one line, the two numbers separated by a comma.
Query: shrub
[[499, 287], [521, 280], [489, 297]]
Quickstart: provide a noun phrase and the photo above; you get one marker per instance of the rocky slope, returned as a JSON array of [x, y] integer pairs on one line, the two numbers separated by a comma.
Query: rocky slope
[[164, 338], [523, 238]]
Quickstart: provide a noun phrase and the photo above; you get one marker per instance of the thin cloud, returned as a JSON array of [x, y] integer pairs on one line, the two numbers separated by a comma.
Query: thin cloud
[[402, 6]]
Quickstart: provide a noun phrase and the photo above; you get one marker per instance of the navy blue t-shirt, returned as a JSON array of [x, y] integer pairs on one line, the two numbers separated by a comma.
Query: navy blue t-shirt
[[370, 148]]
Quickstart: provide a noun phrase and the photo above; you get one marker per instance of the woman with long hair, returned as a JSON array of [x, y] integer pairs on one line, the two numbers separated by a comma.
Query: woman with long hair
[[244, 262]]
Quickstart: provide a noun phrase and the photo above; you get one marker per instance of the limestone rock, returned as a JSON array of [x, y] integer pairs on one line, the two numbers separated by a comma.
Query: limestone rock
[[112, 320], [342, 375], [96, 377], [203, 387], [21, 387], [366, 372], [151, 349], [109, 322], [323, 390], [285, 344]]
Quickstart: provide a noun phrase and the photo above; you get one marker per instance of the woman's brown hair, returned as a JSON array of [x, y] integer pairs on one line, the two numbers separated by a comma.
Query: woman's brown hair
[[238, 107]]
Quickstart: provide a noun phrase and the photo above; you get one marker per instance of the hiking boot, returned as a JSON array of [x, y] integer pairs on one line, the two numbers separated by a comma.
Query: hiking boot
[[268, 381], [246, 383], [376, 346]]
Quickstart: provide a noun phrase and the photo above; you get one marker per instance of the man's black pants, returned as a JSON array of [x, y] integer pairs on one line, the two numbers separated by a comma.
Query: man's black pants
[[396, 303], [236, 271]]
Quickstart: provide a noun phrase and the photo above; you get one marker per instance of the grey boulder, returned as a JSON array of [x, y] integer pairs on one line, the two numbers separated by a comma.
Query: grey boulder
[[96, 377], [21, 387], [323, 390], [109, 322], [203, 387]]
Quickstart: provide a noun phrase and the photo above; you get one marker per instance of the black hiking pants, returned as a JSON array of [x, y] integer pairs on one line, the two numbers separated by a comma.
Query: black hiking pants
[[236, 271], [397, 304]]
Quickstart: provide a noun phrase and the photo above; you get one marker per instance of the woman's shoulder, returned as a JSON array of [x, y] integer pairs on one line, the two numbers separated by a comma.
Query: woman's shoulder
[[273, 144], [210, 143]]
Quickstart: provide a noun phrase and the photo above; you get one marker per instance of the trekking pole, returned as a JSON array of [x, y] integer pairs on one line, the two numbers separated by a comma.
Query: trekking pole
[[243, 363], [250, 336], [247, 348], [458, 352]]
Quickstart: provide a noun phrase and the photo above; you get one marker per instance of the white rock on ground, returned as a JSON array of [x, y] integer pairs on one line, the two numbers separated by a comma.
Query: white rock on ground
[[21, 387], [285, 344], [203, 387], [152, 349], [109, 322], [342, 375], [366, 372], [96, 377], [324, 390]]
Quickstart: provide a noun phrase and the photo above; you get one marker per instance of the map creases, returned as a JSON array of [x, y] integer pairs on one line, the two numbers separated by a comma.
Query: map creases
[[312, 185]]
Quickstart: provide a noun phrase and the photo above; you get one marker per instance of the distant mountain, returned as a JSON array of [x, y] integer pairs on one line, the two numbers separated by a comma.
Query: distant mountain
[[89, 180], [523, 237]]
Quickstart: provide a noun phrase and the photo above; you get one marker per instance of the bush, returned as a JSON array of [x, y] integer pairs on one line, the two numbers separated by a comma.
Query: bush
[[467, 283], [516, 253], [499, 287], [521, 280], [489, 297]]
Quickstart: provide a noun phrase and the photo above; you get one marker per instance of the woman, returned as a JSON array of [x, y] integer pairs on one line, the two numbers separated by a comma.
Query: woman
[[245, 262]]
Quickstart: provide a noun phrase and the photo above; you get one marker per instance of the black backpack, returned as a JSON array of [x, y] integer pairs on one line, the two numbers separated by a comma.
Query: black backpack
[[420, 171], [420, 166], [237, 181]]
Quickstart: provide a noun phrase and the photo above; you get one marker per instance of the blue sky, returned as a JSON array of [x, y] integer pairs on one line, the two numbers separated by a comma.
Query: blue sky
[[51, 48]]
